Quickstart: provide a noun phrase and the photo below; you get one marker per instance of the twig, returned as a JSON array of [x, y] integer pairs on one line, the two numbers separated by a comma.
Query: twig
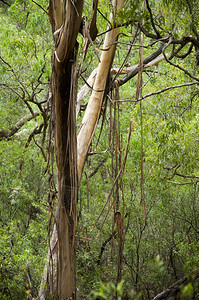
[[167, 89], [15, 75], [152, 21], [175, 65], [4, 2], [39, 5]]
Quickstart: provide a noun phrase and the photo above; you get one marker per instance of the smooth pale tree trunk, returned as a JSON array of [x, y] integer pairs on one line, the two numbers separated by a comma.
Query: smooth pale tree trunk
[[92, 113]]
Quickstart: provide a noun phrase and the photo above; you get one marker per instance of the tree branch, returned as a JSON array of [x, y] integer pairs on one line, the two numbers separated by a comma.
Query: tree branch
[[145, 62], [146, 33], [104, 246], [187, 176], [179, 183], [175, 288], [15, 75], [152, 21], [39, 5], [169, 88], [7, 133], [175, 65], [4, 2], [192, 17], [88, 86]]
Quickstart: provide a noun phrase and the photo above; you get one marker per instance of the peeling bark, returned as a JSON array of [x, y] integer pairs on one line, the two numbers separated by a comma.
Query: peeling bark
[[66, 21]]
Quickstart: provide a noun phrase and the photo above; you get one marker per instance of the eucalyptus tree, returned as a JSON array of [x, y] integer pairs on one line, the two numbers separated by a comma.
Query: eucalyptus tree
[[170, 34], [69, 162]]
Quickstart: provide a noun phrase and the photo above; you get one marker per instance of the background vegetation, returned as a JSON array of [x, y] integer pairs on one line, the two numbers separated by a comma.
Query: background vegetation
[[157, 250]]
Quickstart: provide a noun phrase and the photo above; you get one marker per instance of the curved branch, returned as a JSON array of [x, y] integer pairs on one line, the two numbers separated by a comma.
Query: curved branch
[[169, 88], [152, 21], [182, 56], [39, 5], [177, 66], [146, 33], [4, 2]]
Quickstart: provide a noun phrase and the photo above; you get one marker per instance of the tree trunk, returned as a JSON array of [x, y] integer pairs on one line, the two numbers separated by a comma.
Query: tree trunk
[[64, 120], [65, 22], [92, 113]]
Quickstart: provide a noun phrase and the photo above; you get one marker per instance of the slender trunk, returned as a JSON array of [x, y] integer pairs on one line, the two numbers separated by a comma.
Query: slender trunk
[[65, 21], [65, 148], [92, 113]]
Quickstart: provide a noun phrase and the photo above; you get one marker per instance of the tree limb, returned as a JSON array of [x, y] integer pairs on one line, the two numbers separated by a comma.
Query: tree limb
[[145, 62], [175, 288], [187, 176], [104, 246], [193, 21], [39, 5], [179, 183], [4, 2], [175, 65], [152, 21], [169, 88], [88, 86], [7, 133]]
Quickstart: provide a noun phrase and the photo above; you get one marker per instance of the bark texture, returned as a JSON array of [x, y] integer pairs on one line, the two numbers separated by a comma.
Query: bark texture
[[65, 21]]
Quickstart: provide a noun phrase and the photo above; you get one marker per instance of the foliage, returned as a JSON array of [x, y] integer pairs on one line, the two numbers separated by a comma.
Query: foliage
[[157, 251], [23, 217]]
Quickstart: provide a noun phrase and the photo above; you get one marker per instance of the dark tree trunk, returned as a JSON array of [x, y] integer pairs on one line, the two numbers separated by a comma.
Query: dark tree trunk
[[64, 118]]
